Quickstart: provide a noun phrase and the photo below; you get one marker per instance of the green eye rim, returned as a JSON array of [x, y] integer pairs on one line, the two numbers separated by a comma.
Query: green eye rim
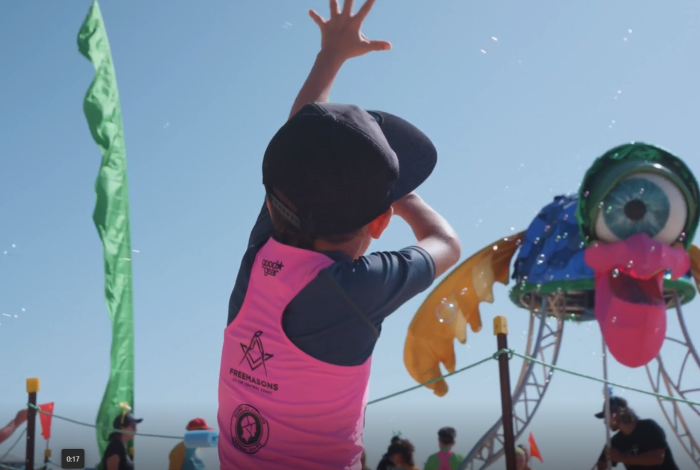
[[624, 161]]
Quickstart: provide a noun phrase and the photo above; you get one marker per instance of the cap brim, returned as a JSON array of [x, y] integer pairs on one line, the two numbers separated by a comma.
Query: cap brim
[[600, 415], [137, 421], [415, 151]]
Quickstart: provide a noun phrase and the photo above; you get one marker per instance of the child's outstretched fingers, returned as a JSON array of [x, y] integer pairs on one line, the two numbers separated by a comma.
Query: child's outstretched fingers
[[341, 32], [374, 45], [318, 19]]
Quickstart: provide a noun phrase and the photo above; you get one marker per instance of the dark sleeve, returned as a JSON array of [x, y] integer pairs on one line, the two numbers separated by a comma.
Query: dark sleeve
[[262, 231], [380, 283], [111, 450], [655, 436], [263, 228]]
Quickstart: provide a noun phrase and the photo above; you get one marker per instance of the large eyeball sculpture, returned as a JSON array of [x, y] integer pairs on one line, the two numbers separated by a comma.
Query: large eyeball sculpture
[[638, 214]]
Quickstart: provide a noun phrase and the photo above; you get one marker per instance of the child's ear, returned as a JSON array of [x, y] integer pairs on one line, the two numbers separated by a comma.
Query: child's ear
[[378, 225]]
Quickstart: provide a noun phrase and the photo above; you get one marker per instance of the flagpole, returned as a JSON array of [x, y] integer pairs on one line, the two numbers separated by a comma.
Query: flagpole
[[606, 393]]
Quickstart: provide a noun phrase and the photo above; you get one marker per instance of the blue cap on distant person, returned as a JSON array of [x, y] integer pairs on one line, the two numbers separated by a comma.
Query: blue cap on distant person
[[616, 404], [123, 421]]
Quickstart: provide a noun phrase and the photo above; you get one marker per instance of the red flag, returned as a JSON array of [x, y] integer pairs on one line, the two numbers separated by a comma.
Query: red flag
[[46, 420], [534, 450]]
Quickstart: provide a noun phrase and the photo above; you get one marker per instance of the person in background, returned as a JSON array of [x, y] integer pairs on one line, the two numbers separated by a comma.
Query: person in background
[[637, 443], [401, 453], [12, 426], [182, 458], [116, 456], [520, 458], [527, 457], [445, 459], [386, 462]]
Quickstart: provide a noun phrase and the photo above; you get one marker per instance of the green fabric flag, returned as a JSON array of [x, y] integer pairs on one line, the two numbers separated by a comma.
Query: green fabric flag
[[111, 217]]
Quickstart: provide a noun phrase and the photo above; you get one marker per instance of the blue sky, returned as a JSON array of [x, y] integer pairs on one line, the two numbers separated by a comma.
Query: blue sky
[[203, 88]]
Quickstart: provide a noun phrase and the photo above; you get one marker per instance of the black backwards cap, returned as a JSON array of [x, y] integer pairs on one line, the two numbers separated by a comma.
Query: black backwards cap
[[341, 167]]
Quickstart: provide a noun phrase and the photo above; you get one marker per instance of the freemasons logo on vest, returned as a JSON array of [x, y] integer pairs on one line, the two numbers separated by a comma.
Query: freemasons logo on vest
[[256, 357]]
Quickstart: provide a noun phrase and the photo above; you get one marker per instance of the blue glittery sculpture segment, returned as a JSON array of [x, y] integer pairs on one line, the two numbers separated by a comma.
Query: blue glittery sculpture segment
[[552, 249]]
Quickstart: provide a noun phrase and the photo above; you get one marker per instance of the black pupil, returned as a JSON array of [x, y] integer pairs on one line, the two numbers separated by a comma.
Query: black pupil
[[635, 210]]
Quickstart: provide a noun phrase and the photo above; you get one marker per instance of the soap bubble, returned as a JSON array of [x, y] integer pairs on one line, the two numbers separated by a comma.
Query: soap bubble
[[446, 311]]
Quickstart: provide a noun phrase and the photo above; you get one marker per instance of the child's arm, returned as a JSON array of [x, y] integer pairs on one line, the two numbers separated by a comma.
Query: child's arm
[[341, 40], [433, 232]]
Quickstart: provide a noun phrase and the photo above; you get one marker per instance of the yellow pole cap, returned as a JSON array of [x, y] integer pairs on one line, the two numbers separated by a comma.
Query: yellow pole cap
[[500, 325], [33, 385], [47, 453]]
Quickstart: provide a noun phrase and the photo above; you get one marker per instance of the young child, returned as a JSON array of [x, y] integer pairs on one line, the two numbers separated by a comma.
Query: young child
[[402, 453], [307, 307], [446, 459]]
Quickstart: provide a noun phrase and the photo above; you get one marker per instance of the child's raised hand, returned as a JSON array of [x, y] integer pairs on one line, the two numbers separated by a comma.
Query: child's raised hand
[[341, 35]]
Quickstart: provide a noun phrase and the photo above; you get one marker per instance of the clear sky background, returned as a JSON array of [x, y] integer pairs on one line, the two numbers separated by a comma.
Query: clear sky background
[[203, 88]]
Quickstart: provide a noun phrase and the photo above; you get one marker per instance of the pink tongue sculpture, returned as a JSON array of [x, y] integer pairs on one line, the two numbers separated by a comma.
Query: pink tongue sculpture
[[629, 303]]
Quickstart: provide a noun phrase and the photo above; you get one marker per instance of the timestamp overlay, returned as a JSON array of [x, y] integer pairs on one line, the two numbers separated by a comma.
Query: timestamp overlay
[[73, 458]]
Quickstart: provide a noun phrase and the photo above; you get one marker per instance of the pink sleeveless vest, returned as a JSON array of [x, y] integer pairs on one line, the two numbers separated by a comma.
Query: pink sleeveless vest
[[444, 457], [278, 407]]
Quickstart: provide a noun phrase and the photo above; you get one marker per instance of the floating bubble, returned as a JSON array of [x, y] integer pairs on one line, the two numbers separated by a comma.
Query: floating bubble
[[446, 311], [23, 310], [541, 258], [615, 272], [14, 246]]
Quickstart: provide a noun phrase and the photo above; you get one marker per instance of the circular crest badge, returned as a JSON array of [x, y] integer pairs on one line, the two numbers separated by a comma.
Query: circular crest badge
[[249, 430]]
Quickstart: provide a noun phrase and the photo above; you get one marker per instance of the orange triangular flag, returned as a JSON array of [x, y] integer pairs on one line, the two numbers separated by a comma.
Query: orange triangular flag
[[45, 420], [534, 450]]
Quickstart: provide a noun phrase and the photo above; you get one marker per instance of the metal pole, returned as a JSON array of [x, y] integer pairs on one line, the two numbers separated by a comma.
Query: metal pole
[[606, 393], [32, 389], [500, 329]]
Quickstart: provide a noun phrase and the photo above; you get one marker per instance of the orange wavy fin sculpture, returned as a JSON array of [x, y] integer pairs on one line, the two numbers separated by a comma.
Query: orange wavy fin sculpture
[[694, 253], [430, 342]]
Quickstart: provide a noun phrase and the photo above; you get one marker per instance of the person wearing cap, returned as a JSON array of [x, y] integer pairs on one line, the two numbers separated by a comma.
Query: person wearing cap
[[19, 419], [520, 458], [308, 305], [637, 443], [446, 459], [526, 460], [182, 458], [116, 455]]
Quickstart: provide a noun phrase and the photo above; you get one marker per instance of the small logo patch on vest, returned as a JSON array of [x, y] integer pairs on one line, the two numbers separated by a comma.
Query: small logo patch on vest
[[271, 268], [249, 430], [254, 352]]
